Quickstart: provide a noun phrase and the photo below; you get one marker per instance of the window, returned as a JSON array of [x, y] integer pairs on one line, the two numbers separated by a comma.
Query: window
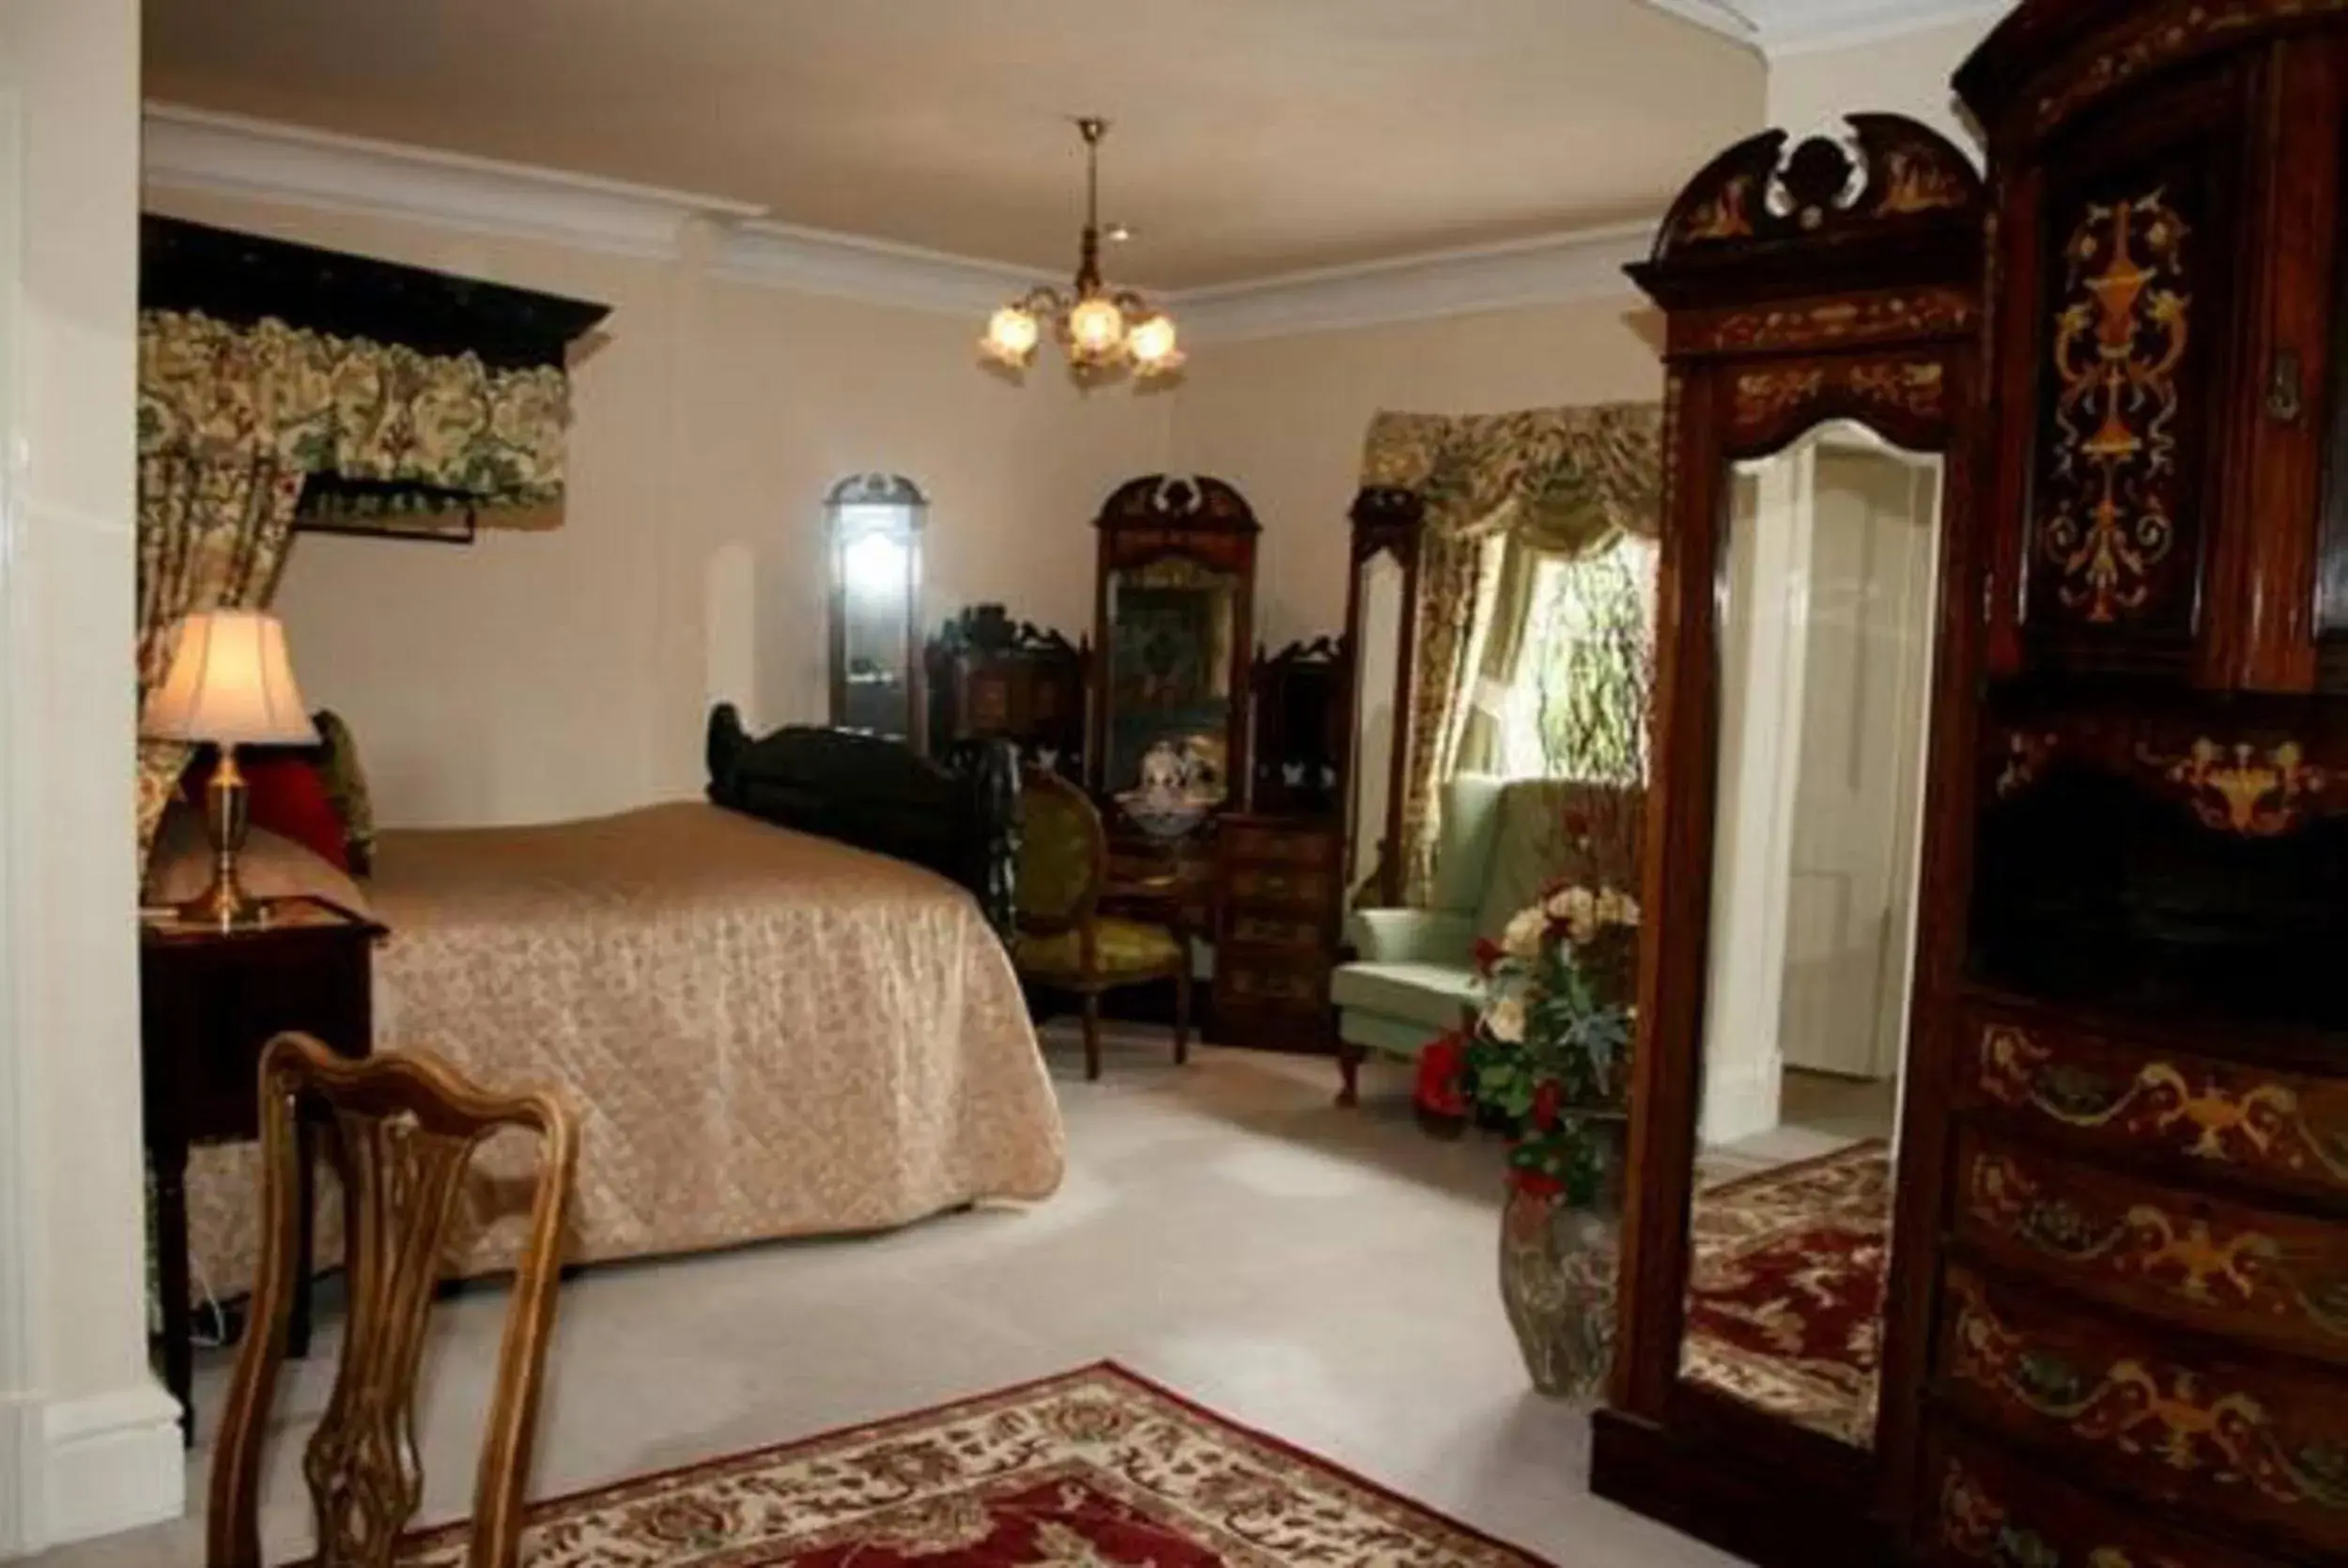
[[1577, 705]]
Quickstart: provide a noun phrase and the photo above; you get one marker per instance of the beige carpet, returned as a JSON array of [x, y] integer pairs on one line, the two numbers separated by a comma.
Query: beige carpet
[[1325, 1276]]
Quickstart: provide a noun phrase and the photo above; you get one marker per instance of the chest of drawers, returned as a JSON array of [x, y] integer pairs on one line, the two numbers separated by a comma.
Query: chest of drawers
[[1277, 932]]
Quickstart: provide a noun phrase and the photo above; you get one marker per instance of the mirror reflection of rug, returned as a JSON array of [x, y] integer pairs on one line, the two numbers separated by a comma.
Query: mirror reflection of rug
[[1095, 1469], [1786, 1300]]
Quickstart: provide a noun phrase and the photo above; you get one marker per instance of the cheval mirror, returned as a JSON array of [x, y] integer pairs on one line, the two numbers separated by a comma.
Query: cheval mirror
[[1822, 308], [874, 524], [1173, 637], [1380, 619]]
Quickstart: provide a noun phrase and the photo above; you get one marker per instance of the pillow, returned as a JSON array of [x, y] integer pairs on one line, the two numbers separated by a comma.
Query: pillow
[[270, 866], [347, 787], [287, 793]]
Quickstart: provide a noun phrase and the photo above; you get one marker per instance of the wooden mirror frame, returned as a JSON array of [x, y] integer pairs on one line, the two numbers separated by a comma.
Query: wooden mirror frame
[[1386, 519], [1841, 282], [1196, 518]]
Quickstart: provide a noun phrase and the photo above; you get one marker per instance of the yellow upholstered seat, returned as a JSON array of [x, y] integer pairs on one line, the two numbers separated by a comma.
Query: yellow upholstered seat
[[1063, 941]]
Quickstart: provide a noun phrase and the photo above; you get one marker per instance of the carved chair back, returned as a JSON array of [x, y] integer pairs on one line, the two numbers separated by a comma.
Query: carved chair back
[[403, 1128], [1063, 854]]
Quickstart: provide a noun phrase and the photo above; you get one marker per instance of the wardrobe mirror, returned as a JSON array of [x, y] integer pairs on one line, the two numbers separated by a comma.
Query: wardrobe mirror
[[1173, 634], [1380, 586], [1826, 599], [875, 525]]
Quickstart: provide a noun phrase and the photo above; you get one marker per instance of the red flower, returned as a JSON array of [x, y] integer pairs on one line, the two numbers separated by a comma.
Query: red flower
[[1488, 953], [1534, 1184], [1441, 1066], [1545, 1102]]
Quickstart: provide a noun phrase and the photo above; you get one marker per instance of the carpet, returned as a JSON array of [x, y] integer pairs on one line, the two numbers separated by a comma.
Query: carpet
[[1097, 1468], [1785, 1301]]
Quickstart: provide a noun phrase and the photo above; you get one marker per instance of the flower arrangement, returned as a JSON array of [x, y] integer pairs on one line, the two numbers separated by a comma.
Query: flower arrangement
[[1547, 1059]]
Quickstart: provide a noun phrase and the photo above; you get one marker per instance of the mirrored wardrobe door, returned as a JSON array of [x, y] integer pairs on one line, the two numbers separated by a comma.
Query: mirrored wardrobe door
[[873, 523], [1381, 586], [1826, 595]]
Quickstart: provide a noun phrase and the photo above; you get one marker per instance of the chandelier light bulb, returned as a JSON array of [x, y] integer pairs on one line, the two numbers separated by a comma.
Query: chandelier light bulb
[[1096, 327], [1012, 334], [1151, 343]]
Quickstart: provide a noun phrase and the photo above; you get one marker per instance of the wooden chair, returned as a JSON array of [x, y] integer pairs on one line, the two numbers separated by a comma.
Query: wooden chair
[[403, 1128], [1062, 939]]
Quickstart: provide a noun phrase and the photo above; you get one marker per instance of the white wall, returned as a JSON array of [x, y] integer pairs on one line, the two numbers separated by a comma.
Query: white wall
[[1907, 73], [88, 1442]]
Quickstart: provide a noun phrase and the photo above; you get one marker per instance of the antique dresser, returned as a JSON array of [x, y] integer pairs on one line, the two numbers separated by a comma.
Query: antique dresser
[[2137, 1304]]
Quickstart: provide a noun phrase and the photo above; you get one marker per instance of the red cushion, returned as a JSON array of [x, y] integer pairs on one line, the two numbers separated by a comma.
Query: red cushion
[[287, 794]]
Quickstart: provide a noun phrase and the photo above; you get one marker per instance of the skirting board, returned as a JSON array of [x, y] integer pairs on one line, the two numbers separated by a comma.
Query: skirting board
[[109, 1463]]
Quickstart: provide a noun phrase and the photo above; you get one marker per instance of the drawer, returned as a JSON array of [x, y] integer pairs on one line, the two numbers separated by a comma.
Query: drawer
[[1281, 887], [1992, 1510], [1262, 984], [1277, 844], [1279, 928], [2230, 1267], [2264, 1442], [2284, 1130]]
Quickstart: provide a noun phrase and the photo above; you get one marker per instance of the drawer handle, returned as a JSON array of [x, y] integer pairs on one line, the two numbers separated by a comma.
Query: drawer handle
[[2285, 401]]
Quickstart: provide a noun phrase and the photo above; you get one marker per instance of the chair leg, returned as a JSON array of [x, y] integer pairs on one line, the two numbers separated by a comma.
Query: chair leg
[[1092, 1036], [1181, 1016]]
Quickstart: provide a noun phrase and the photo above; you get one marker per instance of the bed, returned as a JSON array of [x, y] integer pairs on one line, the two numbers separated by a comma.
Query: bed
[[769, 1032]]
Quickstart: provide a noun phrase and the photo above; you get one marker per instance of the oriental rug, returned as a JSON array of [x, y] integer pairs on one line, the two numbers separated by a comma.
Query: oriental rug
[[1096, 1469], [1785, 1297]]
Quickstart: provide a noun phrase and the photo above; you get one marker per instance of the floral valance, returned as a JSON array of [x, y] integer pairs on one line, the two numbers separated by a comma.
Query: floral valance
[[421, 430], [1577, 477]]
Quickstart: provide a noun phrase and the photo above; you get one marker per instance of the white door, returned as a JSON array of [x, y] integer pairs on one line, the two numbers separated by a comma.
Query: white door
[[1867, 646]]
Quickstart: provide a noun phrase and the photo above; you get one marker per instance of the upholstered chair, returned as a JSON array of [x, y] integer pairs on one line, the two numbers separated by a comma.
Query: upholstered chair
[[1063, 941]]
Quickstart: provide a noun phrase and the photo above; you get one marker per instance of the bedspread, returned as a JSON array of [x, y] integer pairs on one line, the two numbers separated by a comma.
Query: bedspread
[[764, 1033]]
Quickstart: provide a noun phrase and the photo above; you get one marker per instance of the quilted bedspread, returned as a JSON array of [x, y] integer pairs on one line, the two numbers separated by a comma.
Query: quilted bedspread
[[766, 1034]]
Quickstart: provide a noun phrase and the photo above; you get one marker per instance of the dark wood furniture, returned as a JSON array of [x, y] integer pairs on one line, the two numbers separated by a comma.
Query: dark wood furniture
[[1297, 731], [1381, 631], [404, 1128], [1173, 617], [873, 522], [1079, 931], [1275, 930], [991, 677], [1799, 289], [209, 1001], [2124, 1307], [957, 815]]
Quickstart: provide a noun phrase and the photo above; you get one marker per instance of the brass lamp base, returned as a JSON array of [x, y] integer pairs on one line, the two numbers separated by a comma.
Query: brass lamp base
[[225, 905]]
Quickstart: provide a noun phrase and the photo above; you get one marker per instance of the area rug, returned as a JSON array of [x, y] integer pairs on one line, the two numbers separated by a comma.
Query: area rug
[[1785, 1301], [1096, 1469]]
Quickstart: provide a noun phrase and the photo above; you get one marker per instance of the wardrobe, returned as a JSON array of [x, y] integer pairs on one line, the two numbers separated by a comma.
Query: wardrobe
[[2114, 1319]]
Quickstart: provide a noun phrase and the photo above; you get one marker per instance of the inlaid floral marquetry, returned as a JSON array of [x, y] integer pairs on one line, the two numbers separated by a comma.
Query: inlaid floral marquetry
[[2272, 1276], [2253, 791], [2283, 1129], [2027, 754], [1903, 396], [2267, 1443], [2108, 506], [1987, 1519], [1840, 322], [2160, 40]]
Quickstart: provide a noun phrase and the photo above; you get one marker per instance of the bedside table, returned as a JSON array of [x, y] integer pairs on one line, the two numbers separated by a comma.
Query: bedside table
[[209, 1001]]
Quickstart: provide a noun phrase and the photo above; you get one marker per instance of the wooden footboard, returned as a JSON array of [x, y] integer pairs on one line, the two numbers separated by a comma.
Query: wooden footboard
[[959, 817]]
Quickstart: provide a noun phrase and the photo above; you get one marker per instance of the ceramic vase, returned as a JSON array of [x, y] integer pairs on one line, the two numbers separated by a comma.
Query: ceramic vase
[[1558, 1277]]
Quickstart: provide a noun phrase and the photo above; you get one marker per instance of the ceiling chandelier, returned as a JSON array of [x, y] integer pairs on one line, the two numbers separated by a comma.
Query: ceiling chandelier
[[1102, 329]]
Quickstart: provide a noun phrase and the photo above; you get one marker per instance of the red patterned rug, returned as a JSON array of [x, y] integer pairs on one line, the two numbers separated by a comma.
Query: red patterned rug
[[1095, 1469], [1785, 1306]]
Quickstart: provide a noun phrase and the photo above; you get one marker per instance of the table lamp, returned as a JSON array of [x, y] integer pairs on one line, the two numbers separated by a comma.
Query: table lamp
[[229, 683]]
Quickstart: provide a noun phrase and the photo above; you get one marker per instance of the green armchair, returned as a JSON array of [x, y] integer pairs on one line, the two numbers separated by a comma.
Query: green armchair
[[1414, 972], [1061, 940]]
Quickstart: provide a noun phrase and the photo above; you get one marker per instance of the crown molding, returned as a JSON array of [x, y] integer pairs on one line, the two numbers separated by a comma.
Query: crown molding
[[195, 149], [1783, 28], [198, 150], [1545, 269], [877, 271]]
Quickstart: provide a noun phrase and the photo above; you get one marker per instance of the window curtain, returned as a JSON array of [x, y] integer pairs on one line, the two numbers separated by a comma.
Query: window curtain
[[1499, 490], [233, 422]]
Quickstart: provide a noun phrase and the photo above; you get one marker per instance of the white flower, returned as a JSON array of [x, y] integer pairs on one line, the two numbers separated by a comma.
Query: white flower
[[1504, 1020], [1521, 939], [1617, 908]]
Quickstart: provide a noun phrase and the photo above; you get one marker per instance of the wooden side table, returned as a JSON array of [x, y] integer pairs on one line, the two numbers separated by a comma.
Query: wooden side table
[[209, 1001]]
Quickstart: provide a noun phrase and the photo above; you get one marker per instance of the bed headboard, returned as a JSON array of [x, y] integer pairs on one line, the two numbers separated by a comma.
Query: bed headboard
[[958, 817]]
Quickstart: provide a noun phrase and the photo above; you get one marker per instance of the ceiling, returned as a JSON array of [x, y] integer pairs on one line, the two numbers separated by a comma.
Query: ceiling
[[1251, 138]]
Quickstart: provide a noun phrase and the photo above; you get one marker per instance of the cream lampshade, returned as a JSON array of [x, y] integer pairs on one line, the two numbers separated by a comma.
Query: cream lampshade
[[230, 682]]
